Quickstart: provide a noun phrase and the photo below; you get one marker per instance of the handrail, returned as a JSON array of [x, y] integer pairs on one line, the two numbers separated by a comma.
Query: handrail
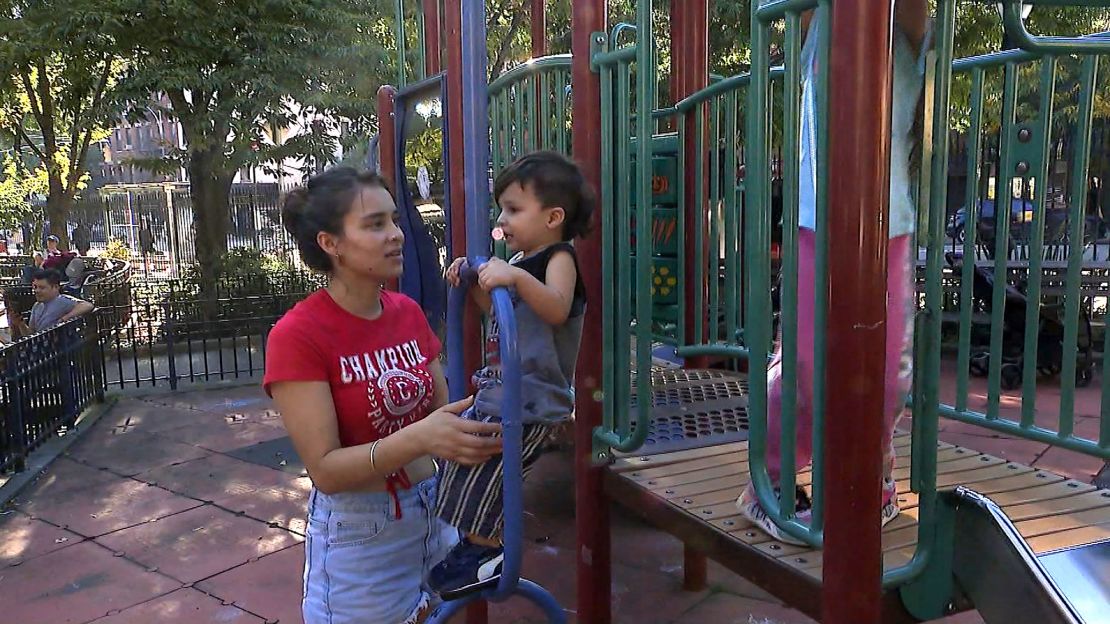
[[510, 582], [510, 410], [528, 68], [1015, 28], [713, 350], [777, 9], [476, 153]]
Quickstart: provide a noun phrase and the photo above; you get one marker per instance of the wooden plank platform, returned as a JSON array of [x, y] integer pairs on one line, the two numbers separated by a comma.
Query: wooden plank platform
[[691, 493]]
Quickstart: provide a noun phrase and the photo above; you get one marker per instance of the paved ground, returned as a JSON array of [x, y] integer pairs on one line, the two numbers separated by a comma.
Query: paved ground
[[183, 508]]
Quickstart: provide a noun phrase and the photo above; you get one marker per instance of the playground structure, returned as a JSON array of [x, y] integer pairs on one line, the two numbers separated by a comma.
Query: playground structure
[[678, 443]]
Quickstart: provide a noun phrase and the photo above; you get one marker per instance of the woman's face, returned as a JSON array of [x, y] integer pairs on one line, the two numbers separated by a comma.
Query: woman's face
[[372, 239]]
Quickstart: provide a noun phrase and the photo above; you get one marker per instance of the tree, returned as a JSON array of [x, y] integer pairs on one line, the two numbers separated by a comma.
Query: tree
[[18, 186], [252, 83], [55, 102]]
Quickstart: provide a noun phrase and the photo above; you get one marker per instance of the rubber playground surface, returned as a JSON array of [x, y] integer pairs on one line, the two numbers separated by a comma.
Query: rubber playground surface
[[189, 507]]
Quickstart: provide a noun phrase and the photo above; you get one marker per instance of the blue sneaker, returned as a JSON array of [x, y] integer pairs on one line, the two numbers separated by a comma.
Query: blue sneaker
[[467, 569]]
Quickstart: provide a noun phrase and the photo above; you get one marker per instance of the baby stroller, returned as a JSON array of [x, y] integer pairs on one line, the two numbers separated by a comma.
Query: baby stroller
[[1050, 333]]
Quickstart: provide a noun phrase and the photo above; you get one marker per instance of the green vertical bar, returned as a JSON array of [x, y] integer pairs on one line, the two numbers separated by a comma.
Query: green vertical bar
[[645, 97], [971, 231], [561, 113], [1036, 248], [729, 190], [546, 124], [699, 225], [530, 129], [518, 119], [495, 130], [611, 297], [821, 272], [788, 327], [624, 240], [738, 202], [1002, 201], [758, 234], [399, 34], [499, 247], [680, 216], [713, 268], [1080, 162]]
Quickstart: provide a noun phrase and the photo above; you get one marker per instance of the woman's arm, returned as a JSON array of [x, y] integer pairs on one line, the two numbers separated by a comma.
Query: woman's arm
[[308, 412], [912, 18]]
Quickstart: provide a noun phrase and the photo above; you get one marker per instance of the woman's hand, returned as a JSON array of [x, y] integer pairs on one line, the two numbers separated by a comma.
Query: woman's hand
[[446, 435], [496, 272]]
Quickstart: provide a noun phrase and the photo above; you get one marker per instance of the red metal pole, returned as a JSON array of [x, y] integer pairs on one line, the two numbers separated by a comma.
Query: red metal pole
[[452, 26], [859, 132], [591, 506], [432, 33], [539, 48], [387, 147], [678, 62], [539, 28], [692, 39]]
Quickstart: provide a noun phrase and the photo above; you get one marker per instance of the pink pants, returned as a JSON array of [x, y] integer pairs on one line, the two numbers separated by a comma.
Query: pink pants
[[899, 354]]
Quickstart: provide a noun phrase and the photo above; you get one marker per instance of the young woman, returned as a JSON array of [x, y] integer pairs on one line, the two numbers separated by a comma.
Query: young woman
[[354, 371]]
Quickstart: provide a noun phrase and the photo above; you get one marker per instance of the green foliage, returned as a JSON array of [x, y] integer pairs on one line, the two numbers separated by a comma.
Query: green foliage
[[56, 101], [18, 185], [117, 250], [255, 82], [247, 261]]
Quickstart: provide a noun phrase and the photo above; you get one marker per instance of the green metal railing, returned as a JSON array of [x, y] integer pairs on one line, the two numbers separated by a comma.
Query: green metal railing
[[734, 273], [1024, 162], [529, 110], [758, 329], [625, 199]]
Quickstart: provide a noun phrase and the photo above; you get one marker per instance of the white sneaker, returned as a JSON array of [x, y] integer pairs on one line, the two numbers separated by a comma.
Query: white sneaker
[[890, 509], [749, 507]]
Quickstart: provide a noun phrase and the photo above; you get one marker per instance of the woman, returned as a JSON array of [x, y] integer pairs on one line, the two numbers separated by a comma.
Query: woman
[[354, 371]]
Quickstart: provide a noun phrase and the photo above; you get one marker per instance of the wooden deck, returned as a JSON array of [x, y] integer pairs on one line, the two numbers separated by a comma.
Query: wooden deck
[[691, 494]]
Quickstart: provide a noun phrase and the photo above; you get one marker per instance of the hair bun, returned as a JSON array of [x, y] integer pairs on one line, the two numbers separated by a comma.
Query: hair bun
[[293, 210]]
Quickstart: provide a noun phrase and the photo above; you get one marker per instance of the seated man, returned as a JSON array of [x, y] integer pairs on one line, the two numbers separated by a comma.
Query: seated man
[[55, 257], [51, 306]]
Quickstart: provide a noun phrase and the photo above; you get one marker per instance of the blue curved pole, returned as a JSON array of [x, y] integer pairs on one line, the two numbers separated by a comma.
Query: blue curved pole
[[511, 428], [476, 186]]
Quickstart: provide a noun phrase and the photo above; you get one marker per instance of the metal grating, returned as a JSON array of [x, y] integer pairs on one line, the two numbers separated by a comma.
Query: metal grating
[[695, 408]]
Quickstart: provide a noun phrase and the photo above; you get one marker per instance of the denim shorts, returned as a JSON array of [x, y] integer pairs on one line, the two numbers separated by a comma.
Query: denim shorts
[[365, 566]]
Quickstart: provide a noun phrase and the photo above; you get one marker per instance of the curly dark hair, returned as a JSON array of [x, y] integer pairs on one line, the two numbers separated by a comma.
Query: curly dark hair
[[557, 182]]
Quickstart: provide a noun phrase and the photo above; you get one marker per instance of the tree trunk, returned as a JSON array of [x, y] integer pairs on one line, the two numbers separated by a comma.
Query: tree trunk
[[210, 190], [58, 205]]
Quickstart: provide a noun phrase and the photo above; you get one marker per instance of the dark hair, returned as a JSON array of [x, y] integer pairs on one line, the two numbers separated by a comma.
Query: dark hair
[[556, 181], [320, 206], [47, 275]]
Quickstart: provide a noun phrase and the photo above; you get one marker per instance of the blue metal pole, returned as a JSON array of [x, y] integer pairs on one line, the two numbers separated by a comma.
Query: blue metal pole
[[475, 128], [476, 172]]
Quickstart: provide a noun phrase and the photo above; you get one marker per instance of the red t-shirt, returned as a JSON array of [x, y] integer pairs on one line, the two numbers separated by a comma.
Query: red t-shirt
[[377, 370]]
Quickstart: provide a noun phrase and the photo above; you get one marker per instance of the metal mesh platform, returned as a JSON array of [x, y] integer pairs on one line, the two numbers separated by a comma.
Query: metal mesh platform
[[695, 408]]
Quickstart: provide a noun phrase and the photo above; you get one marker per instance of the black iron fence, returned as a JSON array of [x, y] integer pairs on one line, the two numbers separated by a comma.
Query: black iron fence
[[143, 334], [49, 379], [154, 224], [167, 341]]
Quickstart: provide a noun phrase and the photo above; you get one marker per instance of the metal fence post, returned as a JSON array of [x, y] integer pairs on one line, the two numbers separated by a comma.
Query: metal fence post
[[170, 355], [64, 351], [17, 432]]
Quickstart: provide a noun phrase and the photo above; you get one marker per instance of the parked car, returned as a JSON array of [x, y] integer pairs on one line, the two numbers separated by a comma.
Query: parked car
[[1021, 217]]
